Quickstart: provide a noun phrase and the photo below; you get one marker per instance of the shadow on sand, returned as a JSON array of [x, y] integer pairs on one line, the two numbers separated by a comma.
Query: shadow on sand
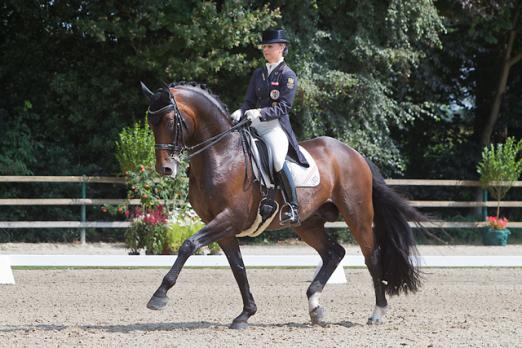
[[196, 325]]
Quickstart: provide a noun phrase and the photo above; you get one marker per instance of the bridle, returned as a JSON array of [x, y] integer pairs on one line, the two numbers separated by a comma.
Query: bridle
[[177, 147]]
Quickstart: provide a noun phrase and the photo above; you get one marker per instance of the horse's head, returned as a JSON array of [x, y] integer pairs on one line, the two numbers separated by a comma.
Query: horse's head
[[168, 125]]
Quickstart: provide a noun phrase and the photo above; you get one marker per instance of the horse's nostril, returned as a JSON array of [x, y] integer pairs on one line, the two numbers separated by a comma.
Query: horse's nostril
[[167, 171]]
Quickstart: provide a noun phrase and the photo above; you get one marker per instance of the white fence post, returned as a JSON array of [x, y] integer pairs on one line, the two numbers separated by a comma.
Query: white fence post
[[6, 273], [337, 277]]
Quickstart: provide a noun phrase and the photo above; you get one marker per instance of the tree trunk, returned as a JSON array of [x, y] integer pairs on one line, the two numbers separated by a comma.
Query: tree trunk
[[485, 131], [507, 62]]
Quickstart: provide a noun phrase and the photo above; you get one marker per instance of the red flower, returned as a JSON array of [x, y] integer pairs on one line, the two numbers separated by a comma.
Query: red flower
[[498, 224], [155, 216], [142, 168]]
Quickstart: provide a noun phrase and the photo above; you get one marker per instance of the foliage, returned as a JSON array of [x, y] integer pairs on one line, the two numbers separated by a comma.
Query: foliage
[[408, 83], [356, 80], [159, 234], [499, 167], [160, 197], [86, 60], [153, 189], [183, 223], [135, 146], [463, 77]]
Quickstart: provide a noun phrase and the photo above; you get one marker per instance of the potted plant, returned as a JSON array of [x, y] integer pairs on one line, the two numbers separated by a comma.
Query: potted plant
[[157, 195], [498, 169]]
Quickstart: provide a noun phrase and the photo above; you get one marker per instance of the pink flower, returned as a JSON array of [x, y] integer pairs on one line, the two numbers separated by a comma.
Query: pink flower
[[498, 224], [155, 216]]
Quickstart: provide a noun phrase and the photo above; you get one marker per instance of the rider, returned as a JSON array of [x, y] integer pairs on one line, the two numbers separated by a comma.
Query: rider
[[267, 104]]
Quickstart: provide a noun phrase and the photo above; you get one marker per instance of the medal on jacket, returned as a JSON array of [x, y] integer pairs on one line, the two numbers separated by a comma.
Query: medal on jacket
[[274, 94]]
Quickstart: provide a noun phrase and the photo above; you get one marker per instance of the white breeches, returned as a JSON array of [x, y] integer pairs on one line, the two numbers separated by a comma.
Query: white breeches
[[276, 138]]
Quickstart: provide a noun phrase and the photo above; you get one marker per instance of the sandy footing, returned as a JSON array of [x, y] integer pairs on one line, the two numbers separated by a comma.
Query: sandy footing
[[104, 307]]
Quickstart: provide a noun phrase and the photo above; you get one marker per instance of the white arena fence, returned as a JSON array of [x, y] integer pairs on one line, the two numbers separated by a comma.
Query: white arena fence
[[219, 260], [249, 260]]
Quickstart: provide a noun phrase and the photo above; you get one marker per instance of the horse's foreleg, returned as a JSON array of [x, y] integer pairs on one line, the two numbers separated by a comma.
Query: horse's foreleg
[[230, 246], [214, 231], [331, 252]]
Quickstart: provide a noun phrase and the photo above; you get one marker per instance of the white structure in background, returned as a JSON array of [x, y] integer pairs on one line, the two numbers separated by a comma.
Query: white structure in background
[[338, 276], [6, 274]]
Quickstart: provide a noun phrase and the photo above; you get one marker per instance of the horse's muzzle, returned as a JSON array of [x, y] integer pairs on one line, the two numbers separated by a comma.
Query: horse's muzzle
[[168, 169]]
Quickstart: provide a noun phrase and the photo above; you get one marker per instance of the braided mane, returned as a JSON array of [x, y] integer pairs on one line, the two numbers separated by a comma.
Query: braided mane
[[204, 90]]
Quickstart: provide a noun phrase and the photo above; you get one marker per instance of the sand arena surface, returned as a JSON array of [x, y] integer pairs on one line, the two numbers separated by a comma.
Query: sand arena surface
[[106, 307]]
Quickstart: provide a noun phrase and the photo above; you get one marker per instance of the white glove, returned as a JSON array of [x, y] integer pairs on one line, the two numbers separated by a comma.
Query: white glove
[[253, 114], [236, 115]]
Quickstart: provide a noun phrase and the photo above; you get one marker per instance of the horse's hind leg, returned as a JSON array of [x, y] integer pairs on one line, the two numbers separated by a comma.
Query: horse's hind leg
[[359, 218], [231, 248], [313, 233]]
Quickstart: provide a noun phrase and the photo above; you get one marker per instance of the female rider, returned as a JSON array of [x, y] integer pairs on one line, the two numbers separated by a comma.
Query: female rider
[[267, 104]]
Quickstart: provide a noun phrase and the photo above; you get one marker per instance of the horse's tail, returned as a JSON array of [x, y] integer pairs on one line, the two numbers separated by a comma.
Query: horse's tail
[[394, 236]]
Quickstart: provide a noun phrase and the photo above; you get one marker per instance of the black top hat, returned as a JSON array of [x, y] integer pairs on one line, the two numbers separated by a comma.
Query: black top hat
[[274, 36]]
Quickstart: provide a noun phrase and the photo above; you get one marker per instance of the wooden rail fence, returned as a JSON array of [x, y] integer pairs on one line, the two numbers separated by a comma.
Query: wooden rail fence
[[83, 202]]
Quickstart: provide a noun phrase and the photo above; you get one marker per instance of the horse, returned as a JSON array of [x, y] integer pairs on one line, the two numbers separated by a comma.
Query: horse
[[187, 117]]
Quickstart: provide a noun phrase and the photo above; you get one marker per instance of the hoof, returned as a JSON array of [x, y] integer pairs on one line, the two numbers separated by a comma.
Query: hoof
[[377, 317], [373, 321], [238, 325], [157, 303], [317, 315]]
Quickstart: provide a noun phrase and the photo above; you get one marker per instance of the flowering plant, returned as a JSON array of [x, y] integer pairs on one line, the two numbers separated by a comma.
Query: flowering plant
[[151, 197], [499, 167], [147, 230], [497, 223]]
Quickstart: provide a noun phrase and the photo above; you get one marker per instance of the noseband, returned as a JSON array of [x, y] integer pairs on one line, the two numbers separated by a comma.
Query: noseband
[[177, 147]]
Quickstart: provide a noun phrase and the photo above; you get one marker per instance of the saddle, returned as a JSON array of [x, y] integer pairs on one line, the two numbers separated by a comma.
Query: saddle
[[261, 161]]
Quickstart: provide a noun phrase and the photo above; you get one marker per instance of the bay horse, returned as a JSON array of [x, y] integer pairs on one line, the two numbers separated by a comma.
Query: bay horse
[[188, 117]]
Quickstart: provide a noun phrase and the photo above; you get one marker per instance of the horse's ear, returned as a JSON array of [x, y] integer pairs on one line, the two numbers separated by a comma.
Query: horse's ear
[[146, 91], [167, 88]]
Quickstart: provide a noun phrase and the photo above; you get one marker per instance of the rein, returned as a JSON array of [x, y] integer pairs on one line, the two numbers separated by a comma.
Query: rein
[[178, 146], [213, 140]]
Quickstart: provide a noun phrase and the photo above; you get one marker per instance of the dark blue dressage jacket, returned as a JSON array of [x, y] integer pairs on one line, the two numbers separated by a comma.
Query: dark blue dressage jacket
[[274, 95]]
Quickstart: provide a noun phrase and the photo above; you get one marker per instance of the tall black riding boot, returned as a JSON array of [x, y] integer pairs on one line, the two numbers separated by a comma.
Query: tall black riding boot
[[290, 214]]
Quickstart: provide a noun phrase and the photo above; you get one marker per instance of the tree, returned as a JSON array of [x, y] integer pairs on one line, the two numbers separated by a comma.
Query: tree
[[497, 24], [87, 57], [356, 61], [464, 77], [70, 72]]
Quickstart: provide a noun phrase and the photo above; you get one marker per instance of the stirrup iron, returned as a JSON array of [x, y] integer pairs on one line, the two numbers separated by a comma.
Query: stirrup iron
[[289, 214]]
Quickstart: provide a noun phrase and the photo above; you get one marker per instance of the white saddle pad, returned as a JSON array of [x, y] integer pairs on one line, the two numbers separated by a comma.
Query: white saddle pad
[[303, 177]]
